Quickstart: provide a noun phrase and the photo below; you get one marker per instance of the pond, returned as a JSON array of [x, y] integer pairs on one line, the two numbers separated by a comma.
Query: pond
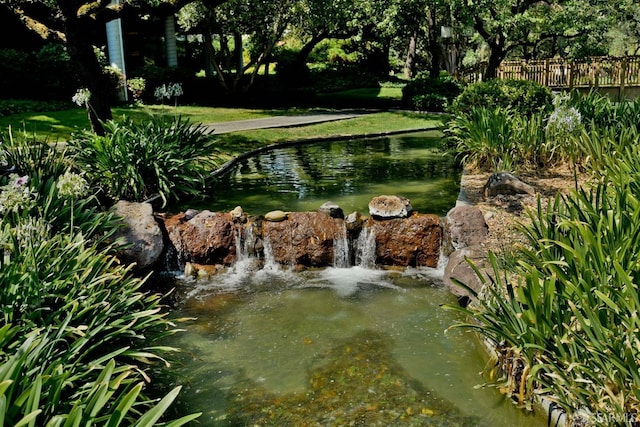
[[350, 174], [334, 346]]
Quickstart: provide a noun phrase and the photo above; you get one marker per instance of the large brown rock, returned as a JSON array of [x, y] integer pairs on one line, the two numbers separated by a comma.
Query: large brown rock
[[141, 234], [412, 241], [304, 238], [206, 238], [464, 226]]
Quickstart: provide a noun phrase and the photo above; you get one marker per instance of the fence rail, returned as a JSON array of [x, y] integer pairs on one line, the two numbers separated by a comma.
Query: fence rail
[[594, 72]]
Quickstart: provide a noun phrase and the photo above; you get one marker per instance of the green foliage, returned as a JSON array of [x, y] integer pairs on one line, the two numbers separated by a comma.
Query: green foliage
[[426, 94], [522, 96], [575, 292], [484, 137], [77, 336], [137, 160]]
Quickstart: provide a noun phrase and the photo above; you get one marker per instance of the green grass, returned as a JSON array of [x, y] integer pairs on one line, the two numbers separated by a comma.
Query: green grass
[[235, 143], [57, 126]]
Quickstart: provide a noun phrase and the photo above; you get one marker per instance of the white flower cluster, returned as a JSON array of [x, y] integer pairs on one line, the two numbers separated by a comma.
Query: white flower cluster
[[168, 91], [81, 97], [72, 186], [16, 195], [31, 230], [564, 119]]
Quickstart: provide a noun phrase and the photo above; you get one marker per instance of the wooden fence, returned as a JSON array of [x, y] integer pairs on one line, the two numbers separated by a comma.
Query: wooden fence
[[591, 72], [595, 72]]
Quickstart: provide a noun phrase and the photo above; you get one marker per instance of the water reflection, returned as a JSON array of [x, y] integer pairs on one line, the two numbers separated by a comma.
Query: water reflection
[[348, 173]]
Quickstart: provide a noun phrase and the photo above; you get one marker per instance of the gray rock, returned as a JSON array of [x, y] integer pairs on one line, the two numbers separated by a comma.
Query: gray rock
[[385, 207], [331, 209], [506, 183], [464, 226], [140, 233], [458, 268]]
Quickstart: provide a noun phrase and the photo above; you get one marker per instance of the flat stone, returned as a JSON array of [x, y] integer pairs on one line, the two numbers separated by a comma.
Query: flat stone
[[384, 207], [276, 216]]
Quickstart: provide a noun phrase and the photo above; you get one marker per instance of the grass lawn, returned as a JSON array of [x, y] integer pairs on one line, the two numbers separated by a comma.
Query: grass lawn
[[235, 143], [60, 125]]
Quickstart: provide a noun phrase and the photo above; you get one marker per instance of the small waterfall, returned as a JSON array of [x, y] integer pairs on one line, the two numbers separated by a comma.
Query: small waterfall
[[270, 263], [366, 248], [341, 256]]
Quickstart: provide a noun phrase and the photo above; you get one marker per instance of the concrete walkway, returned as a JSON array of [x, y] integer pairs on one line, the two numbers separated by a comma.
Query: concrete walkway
[[278, 122]]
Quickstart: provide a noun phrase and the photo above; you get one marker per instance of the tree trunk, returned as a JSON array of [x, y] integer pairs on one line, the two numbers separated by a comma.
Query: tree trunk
[[89, 71], [434, 44], [409, 61], [496, 55]]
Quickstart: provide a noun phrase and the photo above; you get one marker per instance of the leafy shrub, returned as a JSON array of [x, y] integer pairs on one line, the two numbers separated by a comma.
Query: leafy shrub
[[522, 96], [77, 334], [427, 94], [137, 160], [484, 137]]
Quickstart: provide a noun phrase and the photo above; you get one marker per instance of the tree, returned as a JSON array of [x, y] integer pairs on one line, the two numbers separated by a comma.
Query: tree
[[261, 22], [515, 25], [76, 23]]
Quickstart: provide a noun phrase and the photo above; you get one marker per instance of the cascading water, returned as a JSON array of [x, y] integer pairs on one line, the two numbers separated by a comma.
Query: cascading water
[[366, 248], [341, 253]]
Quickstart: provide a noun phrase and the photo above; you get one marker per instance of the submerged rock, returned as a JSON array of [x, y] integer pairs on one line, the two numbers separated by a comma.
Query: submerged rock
[[383, 207]]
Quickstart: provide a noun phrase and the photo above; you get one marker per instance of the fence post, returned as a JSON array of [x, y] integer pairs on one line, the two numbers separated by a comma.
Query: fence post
[[570, 72], [546, 78], [623, 76]]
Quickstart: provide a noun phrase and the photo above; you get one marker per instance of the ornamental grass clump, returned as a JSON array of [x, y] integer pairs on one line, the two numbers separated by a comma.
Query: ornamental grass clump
[[136, 161], [78, 334], [566, 316]]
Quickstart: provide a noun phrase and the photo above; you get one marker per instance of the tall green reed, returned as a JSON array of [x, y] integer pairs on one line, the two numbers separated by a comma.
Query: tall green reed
[[568, 312]]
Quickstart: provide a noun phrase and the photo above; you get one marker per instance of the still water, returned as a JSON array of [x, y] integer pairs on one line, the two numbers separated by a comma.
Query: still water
[[347, 173], [337, 346]]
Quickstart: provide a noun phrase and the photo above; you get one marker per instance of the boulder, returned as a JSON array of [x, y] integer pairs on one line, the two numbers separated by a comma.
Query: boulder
[[141, 233], [206, 238], [331, 209], [507, 184], [404, 242], [303, 239], [459, 268], [385, 207], [465, 226]]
